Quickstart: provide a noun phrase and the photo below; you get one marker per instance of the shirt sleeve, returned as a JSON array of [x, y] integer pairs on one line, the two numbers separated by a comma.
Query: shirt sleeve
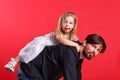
[[70, 63]]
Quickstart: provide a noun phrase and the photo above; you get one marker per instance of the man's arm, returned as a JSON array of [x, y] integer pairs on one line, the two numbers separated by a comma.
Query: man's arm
[[70, 63]]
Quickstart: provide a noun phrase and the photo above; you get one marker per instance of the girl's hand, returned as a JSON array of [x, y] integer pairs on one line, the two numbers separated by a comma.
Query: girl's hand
[[54, 35]]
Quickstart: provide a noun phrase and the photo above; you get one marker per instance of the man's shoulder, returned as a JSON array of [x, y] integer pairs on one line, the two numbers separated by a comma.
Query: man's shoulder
[[78, 41]]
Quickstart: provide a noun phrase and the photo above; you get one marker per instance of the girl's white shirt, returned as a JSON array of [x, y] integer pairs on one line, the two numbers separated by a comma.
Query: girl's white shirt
[[34, 48]]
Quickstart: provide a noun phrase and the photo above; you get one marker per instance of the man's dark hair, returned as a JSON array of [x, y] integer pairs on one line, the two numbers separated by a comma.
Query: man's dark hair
[[96, 39]]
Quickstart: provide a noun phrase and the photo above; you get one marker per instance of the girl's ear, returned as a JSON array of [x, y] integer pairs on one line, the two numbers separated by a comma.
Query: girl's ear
[[84, 43]]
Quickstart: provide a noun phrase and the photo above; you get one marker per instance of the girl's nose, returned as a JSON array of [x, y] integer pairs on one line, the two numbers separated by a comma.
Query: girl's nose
[[67, 24]]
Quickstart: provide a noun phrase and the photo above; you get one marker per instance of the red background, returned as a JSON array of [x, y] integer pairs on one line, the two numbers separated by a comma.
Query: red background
[[22, 20]]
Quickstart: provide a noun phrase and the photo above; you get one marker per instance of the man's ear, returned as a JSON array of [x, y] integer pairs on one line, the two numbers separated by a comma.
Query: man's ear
[[84, 43]]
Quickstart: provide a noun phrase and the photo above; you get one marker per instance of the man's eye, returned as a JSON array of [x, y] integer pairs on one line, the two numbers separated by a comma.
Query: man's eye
[[99, 50], [94, 46]]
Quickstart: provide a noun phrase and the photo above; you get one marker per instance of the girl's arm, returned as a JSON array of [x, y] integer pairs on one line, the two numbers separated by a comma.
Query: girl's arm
[[65, 41]]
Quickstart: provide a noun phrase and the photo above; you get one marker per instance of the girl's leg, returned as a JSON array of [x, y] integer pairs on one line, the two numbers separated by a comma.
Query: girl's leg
[[10, 66], [21, 75], [17, 59]]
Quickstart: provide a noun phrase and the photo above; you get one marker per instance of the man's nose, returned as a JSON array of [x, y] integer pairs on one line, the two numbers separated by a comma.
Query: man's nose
[[95, 52]]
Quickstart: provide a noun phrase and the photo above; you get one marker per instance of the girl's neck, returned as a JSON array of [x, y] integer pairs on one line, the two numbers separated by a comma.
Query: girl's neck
[[67, 36]]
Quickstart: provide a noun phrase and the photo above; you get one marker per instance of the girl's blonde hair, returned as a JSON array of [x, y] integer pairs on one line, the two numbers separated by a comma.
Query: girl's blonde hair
[[61, 20]]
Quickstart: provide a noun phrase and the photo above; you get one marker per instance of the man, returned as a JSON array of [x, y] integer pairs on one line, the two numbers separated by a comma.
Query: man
[[60, 60]]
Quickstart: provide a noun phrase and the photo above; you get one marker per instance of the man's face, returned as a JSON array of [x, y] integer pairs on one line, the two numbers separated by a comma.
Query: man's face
[[91, 50]]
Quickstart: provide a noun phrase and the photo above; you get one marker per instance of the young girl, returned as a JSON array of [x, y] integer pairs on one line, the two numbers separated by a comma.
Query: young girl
[[64, 34]]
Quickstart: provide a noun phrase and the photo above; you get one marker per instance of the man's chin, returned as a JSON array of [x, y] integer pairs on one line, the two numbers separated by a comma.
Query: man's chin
[[88, 58]]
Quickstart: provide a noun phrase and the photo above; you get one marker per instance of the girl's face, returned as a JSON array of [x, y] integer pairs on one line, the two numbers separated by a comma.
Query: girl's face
[[68, 24]]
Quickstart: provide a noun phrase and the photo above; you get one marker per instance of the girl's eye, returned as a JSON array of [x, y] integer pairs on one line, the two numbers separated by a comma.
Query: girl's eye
[[71, 23], [65, 21]]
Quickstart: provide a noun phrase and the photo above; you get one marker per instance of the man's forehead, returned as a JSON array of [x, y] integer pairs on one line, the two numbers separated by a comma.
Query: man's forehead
[[98, 46]]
